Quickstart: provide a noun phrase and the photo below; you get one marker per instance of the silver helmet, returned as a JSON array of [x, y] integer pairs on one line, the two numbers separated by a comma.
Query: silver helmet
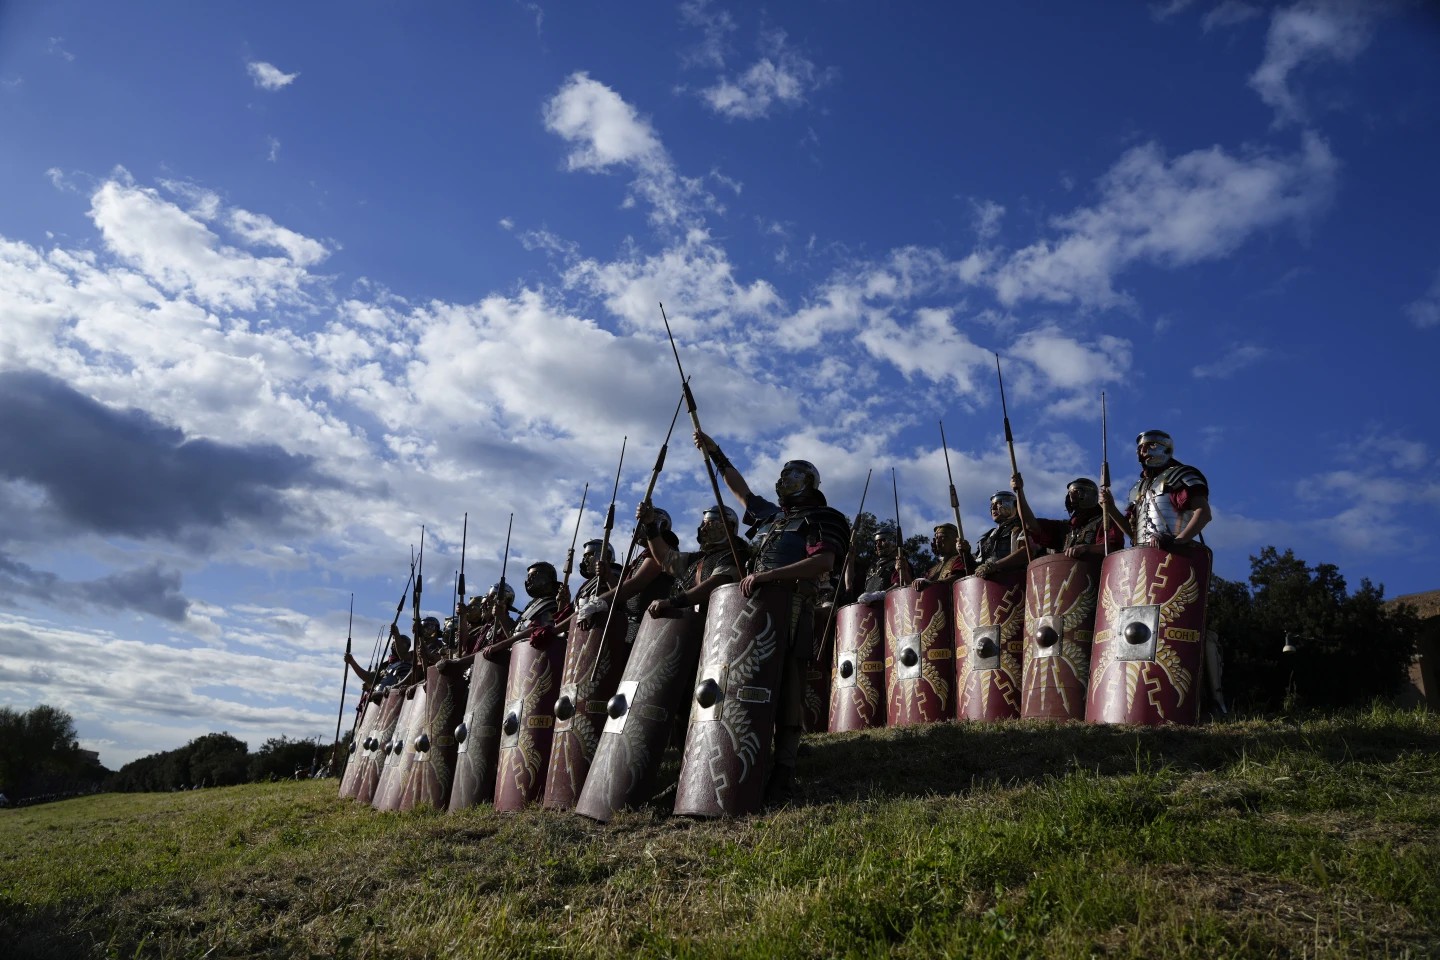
[[588, 568], [711, 532], [504, 592], [797, 477], [1154, 448], [661, 519], [1081, 494], [1002, 505]]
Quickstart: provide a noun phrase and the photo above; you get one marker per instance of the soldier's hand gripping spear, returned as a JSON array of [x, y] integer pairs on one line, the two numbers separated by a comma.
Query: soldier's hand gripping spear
[[349, 629], [961, 545], [704, 452], [1010, 445]]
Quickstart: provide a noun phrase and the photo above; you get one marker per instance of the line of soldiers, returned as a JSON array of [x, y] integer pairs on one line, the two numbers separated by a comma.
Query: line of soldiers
[[764, 607]]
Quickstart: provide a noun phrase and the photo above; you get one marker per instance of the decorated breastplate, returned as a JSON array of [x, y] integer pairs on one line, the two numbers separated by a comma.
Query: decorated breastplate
[[999, 542], [780, 542], [1155, 512], [1085, 533]]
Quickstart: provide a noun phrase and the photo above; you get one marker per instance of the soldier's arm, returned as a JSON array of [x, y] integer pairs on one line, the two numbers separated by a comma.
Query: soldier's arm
[[1121, 520], [812, 567], [1201, 516], [366, 677], [738, 487]]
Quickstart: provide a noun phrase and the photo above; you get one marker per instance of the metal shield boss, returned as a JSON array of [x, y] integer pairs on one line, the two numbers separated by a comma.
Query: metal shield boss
[[857, 688], [1146, 661], [733, 704], [527, 723], [919, 655], [594, 661], [358, 758], [392, 778], [989, 645], [430, 761], [376, 744], [477, 735], [817, 672], [640, 717], [1060, 594]]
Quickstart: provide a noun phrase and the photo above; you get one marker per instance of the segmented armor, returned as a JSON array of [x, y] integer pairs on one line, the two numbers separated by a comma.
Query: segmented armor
[[1000, 542], [1153, 507]]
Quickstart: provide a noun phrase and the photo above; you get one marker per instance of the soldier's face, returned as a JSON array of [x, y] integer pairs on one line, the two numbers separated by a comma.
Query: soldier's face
[[792, 481], [884, 545], [942, 543], [539, 582], [1001, 509]]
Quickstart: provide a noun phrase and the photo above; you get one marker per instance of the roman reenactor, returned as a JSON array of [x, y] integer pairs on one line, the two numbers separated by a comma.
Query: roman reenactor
[[537, 620], [393, 671], [1169, 503], [886, 572], [693, 576], [796, 542], [952, 558], [646, 581], [1002, 547], [1079, 536]]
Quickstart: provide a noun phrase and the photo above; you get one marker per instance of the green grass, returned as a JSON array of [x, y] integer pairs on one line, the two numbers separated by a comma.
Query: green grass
[[1317, 837]]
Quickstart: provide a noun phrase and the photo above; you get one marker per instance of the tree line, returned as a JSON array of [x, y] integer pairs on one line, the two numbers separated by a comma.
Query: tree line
[[40, 757], [220, 760]]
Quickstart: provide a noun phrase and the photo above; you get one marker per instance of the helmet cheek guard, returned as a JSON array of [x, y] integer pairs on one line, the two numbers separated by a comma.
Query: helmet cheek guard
[[1081, 494], [796, 477], [1002, 505], [1154, 448]]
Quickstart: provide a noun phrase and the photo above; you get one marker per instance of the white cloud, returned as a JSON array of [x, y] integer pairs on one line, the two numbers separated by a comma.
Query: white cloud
[[1230, 13], [1070, 366], [716, 26], [781, 77], [1235, 359], [56, 48], [267, 76], [932, 346], [1169, 8], [1424, 311], [1199, 206], [1308, 32], [274, 145], [605, 132]]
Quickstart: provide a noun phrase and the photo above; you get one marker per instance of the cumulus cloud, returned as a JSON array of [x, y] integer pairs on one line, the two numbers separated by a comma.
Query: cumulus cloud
[[1238, 357], [1306, 33], [1424, 311], [780, 78], [267, 76], [1173, 212], [122, 472], [605, 132]]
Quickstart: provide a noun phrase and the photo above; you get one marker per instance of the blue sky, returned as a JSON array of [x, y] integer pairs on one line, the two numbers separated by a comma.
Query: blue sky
[[279, 284]]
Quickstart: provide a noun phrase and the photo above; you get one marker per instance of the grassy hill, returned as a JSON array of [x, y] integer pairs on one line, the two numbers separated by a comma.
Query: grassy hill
[[1315, 837]]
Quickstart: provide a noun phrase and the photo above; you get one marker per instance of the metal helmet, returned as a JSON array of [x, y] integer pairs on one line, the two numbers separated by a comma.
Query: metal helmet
[[1002, 505], [591, 550], [1154, 448], [504, 591], [710, 532], [797, 477], [661, 519], [541, 579], [431, 624], [1081, 494]]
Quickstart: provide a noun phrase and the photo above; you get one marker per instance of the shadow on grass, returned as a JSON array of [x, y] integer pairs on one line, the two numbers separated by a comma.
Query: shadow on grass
[[951, 759]]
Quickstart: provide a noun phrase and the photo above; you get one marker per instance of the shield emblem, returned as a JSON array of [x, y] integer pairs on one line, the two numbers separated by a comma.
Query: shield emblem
[[733, 706], [594, 661], [919, 655], [1060, 594], [1149, 636], [857, 687], [477, 735], [989, 645], [527, 723], [640, 717]]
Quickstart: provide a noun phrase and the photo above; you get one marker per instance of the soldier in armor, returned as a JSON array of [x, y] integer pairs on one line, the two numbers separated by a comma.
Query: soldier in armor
[[953, 558], [1003, 547], [1169, 504], [693, 576], [799, 541], [1080, 536], [393, 671], [494, 623], [886, 572], [537, 620], [593, 599], [647, 582]]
